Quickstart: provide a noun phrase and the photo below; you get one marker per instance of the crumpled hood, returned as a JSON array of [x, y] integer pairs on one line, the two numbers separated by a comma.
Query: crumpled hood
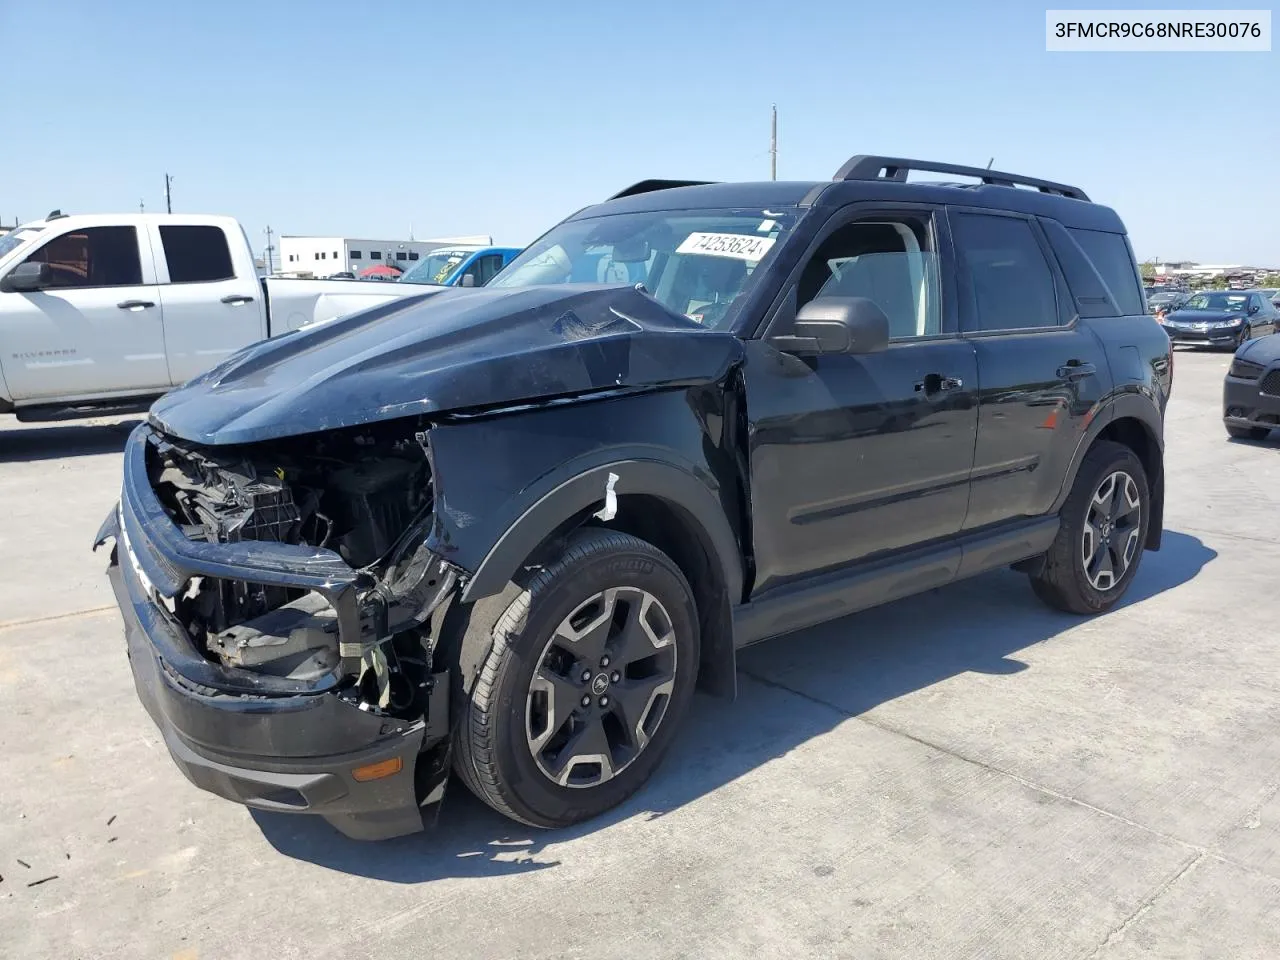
[[454, 350]]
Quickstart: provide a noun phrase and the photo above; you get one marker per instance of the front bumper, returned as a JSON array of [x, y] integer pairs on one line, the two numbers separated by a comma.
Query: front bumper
[[267, 742], [1225, 337], [1245, 404]]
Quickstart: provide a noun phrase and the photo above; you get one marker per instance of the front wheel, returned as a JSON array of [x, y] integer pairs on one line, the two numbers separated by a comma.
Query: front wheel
[[590, 670], [1101, 536]]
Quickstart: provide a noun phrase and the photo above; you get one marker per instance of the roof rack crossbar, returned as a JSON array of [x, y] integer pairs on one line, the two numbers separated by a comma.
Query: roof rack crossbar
[[649, 186], [866, 167]]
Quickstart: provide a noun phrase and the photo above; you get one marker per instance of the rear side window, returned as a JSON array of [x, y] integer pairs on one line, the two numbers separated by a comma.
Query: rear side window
[[1011, 281], [196, 254], [93, 257], [1110, 256]]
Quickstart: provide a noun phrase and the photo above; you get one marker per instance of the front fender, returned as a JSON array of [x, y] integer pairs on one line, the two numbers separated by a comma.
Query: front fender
[[589, 491]]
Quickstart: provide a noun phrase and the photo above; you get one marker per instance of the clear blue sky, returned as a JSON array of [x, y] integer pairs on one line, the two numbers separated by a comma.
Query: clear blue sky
[[502, 117]]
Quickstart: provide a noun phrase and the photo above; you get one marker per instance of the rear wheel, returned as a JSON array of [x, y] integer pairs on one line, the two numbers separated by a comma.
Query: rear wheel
[[1248, 433], [1101, 536], [590, 671]]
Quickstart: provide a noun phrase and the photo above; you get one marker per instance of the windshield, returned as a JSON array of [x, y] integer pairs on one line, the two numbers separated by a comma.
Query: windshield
[[696, 262], [437, 267], [14, 239], [1219, 301]]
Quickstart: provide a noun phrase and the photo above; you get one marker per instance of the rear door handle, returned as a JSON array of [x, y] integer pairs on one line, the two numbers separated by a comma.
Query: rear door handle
[[237, 298], [936, 382], [135, 304], [1076, 370]]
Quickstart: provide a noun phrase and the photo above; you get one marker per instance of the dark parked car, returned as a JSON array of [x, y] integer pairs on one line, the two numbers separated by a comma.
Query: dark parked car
[[1166, 300], [1251, 393], [1222, 318], [507, 531]]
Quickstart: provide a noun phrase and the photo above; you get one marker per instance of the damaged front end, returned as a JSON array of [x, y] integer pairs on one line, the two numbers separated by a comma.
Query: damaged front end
[[277, 598]]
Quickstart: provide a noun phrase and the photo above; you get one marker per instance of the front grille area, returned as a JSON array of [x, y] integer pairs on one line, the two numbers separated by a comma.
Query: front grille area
[[1271, 383]]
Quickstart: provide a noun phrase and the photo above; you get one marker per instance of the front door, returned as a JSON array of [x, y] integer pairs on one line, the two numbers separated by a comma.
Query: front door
[[96, 329], [854, 456]]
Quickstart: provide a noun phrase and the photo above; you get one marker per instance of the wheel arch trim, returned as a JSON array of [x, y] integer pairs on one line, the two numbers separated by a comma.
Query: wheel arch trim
[[1125, 406], [591, 488]]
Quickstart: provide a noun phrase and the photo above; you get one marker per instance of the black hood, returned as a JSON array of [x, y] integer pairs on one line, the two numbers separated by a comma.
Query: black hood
[[455, 350], [1202, 316], [1263, 350]]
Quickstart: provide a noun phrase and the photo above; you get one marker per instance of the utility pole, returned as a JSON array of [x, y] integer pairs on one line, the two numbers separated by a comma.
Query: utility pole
[[168, 197], [773, 145], [269, 251]]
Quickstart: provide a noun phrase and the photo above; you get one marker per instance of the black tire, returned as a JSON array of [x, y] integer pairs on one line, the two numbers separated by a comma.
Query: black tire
[[493, 755], [1063, 583], [1248, 433]]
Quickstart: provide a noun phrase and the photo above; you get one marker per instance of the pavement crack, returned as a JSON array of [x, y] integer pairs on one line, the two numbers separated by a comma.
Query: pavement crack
[[1146, 904], [10, 624]]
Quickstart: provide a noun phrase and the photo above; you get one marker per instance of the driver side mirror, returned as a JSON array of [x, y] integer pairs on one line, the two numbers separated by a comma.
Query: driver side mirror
[[468, 280], [1253, 309], [27, 278], [836, 325]]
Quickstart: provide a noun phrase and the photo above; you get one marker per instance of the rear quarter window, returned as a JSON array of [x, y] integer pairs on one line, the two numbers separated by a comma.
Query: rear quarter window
[[1110, 255]]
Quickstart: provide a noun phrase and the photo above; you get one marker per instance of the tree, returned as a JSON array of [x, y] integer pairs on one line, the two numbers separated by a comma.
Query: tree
[[1148, 268]]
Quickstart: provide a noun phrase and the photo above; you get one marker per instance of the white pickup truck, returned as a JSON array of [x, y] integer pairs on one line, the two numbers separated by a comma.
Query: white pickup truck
[[104, 313]]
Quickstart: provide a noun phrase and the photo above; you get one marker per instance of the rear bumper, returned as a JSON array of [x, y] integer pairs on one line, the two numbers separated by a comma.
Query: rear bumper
[[1244, 404]]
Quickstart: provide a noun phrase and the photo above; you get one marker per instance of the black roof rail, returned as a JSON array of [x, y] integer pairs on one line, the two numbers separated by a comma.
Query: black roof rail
[[649, 186], [865, 167]]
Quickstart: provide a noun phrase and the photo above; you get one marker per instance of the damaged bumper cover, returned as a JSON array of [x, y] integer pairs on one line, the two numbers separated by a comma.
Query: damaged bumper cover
[[272, 742]]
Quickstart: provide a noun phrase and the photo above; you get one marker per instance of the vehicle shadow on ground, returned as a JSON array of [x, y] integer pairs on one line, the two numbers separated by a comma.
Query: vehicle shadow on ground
[[790, 690], [68, 440]]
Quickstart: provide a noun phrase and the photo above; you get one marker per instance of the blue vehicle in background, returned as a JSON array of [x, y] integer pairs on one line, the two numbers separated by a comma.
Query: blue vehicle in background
[[460, 266]]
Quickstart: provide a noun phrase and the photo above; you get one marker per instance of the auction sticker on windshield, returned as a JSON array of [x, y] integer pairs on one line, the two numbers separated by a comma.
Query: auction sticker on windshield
[[735, 245]]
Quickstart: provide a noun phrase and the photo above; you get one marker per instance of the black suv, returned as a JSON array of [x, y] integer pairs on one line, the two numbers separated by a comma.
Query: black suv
[[506, 531]]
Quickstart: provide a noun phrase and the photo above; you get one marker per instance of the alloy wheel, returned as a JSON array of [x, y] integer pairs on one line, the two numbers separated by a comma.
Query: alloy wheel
[[1112, 527], [601, 687]]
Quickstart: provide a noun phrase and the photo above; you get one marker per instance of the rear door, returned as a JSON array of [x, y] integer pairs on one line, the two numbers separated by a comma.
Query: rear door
[[96, 329], [1042, 371], [210, 293]]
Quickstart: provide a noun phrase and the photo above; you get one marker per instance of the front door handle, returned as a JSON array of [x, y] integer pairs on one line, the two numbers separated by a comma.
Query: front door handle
[[135, 304], [1076, 370], [237, 298], [936, 383]]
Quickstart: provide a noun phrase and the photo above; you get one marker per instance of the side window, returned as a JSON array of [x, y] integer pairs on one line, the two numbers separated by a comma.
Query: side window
[[1110, 256], [196, 254], [888, 260], [1011, 281], [93, 257]]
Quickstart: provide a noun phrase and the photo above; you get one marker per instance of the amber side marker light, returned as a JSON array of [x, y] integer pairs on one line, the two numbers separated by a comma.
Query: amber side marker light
[[376, 771]]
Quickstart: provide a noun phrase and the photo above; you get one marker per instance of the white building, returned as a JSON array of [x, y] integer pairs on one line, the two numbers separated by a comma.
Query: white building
[[325, 256]]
